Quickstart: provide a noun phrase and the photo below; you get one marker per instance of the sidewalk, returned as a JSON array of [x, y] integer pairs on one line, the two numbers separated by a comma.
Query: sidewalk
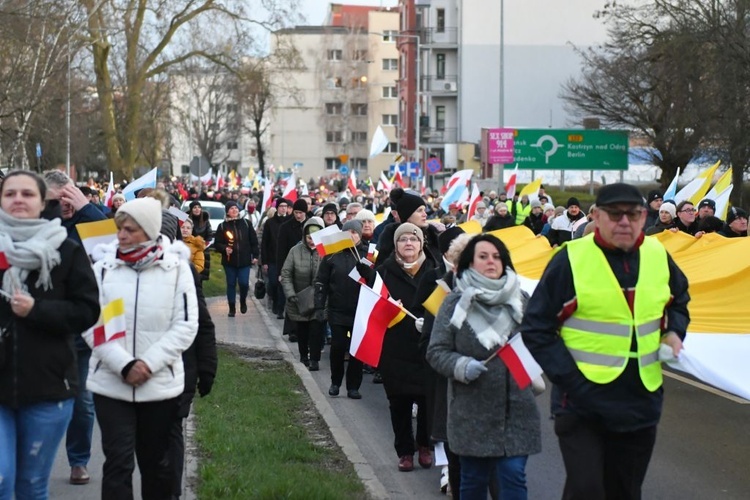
[[256, 330]]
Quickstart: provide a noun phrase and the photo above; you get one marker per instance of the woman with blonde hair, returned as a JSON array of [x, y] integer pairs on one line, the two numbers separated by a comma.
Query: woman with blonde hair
[[195, 243]]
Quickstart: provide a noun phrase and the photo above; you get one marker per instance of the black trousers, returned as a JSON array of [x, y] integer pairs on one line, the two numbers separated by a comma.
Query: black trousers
[[340, 342], [309, 339], [600, 464], [177, 455], [400, 406], [143, 429]]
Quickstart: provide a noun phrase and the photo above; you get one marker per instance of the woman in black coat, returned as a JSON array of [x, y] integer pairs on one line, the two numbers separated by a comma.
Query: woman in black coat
[[401, 363], [49, 297]]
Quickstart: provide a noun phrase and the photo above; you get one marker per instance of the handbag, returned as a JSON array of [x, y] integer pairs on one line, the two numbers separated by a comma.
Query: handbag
[[260, 285], [306, 300]]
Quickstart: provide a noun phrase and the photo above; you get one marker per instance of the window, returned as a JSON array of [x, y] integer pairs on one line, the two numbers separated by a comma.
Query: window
[[359, 109], [334, 55], [332, 163], [359, 55], [389, 92], [390, 64], [359, 83], [392, 148], [253, 153], [359, 136], [334, 136], [440, 66], [232, 145], [334, 108], [334, 82], [390, 120], [358, 163], [389, 35], [440, 117], [233, 127], [440, 24]]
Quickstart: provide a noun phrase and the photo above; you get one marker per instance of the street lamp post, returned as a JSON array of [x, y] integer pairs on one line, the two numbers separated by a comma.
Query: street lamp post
[[418, 110]]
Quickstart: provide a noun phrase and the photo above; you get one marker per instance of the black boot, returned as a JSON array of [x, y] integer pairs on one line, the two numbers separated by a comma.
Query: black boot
[[243, 305], [232, 311]]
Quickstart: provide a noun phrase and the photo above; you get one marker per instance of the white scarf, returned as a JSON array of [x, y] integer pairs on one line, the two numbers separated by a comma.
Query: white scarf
[[493, 307], [29, 245]]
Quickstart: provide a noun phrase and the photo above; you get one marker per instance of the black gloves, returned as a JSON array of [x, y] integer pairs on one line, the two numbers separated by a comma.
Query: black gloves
[[204, 385], [365, 271], [293, 299]]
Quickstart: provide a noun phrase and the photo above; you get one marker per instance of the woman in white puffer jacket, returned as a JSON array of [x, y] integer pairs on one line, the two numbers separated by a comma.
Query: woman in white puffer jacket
[[137, 377]]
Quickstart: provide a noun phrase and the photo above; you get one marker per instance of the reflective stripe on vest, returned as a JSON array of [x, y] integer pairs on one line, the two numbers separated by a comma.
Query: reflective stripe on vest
[[599, 333]]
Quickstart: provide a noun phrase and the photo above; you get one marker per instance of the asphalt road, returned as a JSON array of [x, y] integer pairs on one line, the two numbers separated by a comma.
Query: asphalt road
[[702, 448]]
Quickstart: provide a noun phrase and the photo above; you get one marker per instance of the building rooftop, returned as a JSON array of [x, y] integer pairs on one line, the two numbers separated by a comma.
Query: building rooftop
[[351, 16], [318, 30]]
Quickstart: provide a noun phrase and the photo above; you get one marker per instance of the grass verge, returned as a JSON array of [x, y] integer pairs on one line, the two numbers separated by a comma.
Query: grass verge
[[216, 285], [259, 436]]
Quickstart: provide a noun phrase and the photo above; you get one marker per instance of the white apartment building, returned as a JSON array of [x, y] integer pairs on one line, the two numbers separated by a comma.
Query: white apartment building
[[321, 121], [204, 109]]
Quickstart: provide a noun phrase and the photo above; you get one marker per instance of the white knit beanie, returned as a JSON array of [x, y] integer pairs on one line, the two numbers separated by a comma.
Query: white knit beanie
[[364, 215], [146, 212]]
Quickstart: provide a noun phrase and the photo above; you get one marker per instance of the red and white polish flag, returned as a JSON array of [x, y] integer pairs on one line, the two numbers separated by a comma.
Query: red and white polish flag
[[520, 362]]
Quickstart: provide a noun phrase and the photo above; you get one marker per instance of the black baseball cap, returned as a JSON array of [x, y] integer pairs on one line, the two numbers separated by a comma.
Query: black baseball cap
[[619, 193], [707, 203]]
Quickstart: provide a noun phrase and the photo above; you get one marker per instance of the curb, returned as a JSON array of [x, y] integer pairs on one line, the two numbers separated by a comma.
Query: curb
[[364, 470]]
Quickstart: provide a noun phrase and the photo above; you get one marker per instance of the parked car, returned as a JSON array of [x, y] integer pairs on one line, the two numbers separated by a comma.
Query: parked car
[[215, 211]]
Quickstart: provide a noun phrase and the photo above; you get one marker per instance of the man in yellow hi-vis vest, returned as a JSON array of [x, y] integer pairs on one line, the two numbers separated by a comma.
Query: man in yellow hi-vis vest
[[604, 307]]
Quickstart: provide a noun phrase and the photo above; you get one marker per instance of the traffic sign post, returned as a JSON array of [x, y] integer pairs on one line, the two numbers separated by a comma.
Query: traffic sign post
[[549, 149], [433, 165], [344, 169]]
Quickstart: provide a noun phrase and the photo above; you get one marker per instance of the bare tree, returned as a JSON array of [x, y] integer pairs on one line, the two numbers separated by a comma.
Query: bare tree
[[206, 109], [151, 38], [256, 97], [34, 42]]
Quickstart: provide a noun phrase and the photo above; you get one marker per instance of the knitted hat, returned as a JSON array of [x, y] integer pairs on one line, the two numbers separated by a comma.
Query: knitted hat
[[408, 228], [668, 207], [343, 201], [707, 203], [446, 237], [481, 204], [146, 212], [231, 204], [300, 205], [548, 206], [735, 213], [195, 203], [573, 201], [536, 204], [353, 225], [330, 207], [283, 201], [364, 215], [118, 196], [654, 194], [406, 204]]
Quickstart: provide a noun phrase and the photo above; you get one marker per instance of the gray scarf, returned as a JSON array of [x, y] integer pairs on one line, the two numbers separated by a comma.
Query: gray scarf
[[493, 307], [29, 245]]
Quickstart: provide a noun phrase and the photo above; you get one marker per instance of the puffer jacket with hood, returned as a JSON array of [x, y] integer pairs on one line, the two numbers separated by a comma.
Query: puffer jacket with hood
[[197, 247], [299, 271], [161, 319]]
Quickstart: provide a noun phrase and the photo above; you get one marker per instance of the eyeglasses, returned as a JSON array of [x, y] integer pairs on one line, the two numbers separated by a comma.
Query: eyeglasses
[[412, 239], [616, 215], [688, 210]]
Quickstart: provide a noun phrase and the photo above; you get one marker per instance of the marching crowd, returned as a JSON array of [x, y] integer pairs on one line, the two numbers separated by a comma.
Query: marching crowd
[[123, 335]]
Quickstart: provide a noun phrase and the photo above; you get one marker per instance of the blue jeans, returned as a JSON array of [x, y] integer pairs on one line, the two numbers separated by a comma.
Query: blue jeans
[[29, 438], [81, 428], [234, 276], [510, 473]]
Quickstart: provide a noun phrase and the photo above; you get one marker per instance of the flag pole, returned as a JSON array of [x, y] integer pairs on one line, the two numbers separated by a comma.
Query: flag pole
[[492, 356], [388, 298]]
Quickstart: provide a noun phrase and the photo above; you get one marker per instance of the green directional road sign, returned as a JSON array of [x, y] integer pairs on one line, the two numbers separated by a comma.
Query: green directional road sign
[[550, 149]]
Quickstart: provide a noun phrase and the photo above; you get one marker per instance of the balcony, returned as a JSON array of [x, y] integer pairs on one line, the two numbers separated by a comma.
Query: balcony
[[434, 38], [440, 84], [438, 135]]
